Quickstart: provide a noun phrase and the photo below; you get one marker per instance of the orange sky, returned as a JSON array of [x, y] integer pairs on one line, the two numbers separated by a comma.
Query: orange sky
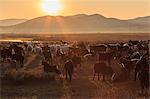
[[122, 9]]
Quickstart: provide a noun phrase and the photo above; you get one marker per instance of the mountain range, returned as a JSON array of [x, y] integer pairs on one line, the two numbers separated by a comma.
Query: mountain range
[[9, 22], [80, 23]]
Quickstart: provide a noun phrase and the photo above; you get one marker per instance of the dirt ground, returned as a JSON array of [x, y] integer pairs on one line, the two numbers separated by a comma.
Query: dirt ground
[[81, 87]]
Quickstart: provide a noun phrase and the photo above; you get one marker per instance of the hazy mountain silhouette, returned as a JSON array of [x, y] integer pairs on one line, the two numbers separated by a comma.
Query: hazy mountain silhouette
[[141, 20], [9, 22], [80, 23]]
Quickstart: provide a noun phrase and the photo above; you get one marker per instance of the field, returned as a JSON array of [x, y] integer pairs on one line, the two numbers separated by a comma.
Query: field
[[93, 37], [82, 85]]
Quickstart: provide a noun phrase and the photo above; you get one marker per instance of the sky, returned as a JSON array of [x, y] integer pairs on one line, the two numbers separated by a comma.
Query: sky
[[121, 9]]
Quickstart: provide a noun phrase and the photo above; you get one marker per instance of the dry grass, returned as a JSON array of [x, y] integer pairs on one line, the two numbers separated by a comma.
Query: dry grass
[[26, 75], [82, 86]]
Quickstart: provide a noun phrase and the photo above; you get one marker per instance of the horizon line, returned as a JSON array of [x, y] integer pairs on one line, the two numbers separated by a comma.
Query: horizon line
[[75, 15]]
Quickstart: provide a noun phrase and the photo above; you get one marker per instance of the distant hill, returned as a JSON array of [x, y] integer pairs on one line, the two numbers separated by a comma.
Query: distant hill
[[141, 20], [9, 22], [80, 23]]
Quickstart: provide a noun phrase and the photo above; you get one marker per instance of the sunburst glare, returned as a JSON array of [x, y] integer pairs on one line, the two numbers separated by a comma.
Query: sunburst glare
[[51, 6]]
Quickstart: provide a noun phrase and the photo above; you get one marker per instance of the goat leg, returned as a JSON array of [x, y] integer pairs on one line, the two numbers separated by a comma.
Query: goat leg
[[94, 76]]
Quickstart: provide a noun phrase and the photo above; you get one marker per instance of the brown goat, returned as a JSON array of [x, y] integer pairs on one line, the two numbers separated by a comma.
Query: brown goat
[[102, 68]]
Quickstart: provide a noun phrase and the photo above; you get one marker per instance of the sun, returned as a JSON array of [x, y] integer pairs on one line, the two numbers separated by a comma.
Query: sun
[[51, 6]]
